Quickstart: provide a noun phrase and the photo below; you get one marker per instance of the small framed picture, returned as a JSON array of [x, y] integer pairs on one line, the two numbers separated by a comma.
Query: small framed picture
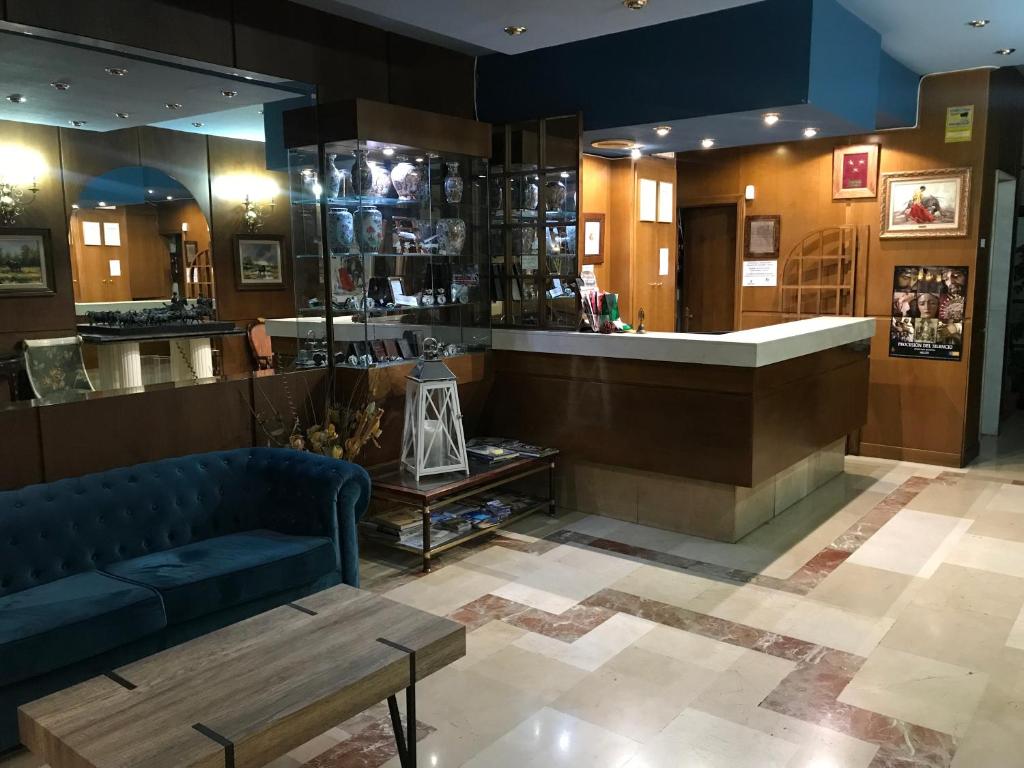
[[259, 262], [855, 172], [26, 262], [761, 237], [593, 238], [925, 203]]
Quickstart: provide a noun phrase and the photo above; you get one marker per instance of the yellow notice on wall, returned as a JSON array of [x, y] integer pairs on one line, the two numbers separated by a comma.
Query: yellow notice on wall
[[959, 123]]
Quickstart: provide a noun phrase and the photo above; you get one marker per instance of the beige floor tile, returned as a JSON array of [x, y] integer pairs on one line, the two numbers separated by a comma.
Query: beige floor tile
[[318, 746], [749, 604], [1009, 498], [912, 542], [663, 584], [537, 674], [690, 647], [834, 627], [737, 691], [862, 589], [971, 589], [1000, 523], [699, 739], [964, 638], [923, 691], [1016, 637], [551, 738], [605, 563], [484, 642], [965, 499], [994, 738], [988, 554], [637, 693], [595, 648], [446, 589], [556, 587]]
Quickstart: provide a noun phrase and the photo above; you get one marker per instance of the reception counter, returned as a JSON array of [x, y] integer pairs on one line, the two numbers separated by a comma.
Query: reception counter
[[711, 435]]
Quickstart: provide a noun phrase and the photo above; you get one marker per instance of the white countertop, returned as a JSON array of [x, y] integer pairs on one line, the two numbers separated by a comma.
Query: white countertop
[[749, 349], [344, 328]]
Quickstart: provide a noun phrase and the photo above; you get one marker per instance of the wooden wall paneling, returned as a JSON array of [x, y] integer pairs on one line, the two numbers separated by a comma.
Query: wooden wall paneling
[[194, 29], [621, 241], [281, 398], [180, 155], [87, 154], [344, 58], [22, 454], [595, 197], [41, 316], [149, 264], [104, 432]]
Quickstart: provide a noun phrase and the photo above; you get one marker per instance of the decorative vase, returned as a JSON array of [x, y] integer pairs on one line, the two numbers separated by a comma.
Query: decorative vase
[[406, 178], [381, 181], [340, 230], [333, 177], [453, 184], [496, 195], [451, 236], [531, 197], [554, 196], [369, 226], [362, 174]]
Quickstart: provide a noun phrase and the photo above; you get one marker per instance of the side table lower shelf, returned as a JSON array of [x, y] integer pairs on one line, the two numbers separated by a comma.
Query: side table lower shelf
[[433, 494]]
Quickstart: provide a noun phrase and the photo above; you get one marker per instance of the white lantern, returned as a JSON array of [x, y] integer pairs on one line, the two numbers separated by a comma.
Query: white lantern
[[432, 439]]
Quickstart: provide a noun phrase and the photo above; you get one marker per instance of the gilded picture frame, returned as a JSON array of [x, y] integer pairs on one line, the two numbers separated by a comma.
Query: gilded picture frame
[[925, 204]]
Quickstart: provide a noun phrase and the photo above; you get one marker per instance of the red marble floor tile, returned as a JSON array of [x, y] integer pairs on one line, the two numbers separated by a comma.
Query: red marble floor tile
[[484, 609], [568, 627], [371, 747]]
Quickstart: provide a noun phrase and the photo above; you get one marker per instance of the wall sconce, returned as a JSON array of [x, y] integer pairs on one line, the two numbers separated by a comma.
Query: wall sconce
[[748, 193], [254, 212], [256, 193], [13, 201]]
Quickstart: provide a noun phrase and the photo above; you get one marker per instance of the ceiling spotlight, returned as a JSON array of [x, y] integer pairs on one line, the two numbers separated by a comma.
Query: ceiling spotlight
[[1004, 51], [419, 159], [663, 130], [16, 98], [978, 23], [121, 115], [172, 105], [707, 143], [198, 124], [770, 118], [810, 133], [170, 197], [102, 204], [60, 85], [74, 206], [388, 151], [635, 153], [116, 71], [151, 191], [635, 5], [514, 30], [228, 94], [77, 123], [564, 174]]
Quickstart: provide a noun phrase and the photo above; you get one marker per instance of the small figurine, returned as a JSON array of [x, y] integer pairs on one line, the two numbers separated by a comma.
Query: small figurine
[[640, 317]]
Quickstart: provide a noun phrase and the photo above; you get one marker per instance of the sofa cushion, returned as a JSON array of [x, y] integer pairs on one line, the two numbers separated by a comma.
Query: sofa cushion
[[58, 623], [218, 573]]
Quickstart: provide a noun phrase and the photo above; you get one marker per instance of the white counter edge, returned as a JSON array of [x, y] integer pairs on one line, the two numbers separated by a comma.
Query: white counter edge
[[752, 348]]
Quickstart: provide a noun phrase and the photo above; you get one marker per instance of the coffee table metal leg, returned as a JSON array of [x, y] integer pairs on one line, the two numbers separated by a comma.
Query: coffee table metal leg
[[426, 539], [551, 489], [406, 742]]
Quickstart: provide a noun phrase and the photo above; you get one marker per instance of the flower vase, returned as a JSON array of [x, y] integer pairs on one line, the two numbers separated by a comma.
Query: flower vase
[[340, 231], [451, 236], [369, 226], [453, 184], [333, 177], [362, 174]]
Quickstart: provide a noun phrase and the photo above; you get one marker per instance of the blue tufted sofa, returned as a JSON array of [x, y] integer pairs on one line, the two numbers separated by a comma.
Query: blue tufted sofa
[[101, 570]]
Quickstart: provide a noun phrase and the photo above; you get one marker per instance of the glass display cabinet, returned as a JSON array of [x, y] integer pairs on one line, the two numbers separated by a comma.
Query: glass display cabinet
[[389, 230], [534, 202]]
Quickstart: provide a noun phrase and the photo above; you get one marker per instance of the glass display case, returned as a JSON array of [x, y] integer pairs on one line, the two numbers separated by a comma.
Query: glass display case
[[534, 202], [390, 227]]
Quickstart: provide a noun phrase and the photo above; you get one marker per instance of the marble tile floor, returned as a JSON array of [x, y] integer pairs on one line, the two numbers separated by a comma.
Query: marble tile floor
[[878, 624]]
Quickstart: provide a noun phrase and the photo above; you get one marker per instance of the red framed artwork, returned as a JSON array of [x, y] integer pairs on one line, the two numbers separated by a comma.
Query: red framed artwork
[[855, 172]]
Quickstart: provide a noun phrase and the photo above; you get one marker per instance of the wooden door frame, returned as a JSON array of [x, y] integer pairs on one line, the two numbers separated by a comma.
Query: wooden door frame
[[715, 201]]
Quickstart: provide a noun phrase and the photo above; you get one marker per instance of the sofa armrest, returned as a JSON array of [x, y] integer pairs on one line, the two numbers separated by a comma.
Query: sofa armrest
[[311, 495]]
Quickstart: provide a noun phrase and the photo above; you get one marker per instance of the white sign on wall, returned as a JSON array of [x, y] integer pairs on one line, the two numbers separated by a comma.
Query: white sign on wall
[[760, 274]]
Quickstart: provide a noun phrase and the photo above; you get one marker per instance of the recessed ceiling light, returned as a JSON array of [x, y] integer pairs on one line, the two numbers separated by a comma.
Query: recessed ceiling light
[[228, 94], [514, 30], [419, 159], [16, 98], [260, 110], [707, 143], [978, 23], [635, 5], [170, 197], [770, 118], [172, 105], [612, 144], [121, 115], [1004, 51], [198, 124], [388, 151], [151, 191], [77, 123], [810, 133], [102, 204], [663, 130], [60, 85], [564, 174], [116, 71], [635, 153], [74, 206]]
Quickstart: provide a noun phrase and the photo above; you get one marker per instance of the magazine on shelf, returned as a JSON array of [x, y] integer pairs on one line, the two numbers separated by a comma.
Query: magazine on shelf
[[517, 447]]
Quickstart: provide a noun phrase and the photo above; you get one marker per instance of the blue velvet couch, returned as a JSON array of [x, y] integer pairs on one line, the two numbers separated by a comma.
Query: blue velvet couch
[[101, 570]]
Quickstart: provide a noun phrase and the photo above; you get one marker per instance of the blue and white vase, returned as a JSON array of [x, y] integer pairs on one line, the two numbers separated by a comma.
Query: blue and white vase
[[369, 224], [333, 177], [340, 230], [453, 184]]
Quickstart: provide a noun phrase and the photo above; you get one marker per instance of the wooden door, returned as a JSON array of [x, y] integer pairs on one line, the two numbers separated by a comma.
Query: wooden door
[[708, 268], [95, 264]]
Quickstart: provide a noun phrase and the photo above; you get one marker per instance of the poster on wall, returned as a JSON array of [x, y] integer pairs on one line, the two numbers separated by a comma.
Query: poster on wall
[[928, 312]]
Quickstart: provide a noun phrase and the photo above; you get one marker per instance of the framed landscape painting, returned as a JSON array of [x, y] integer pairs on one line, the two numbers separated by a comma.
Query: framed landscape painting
[[259, 262], [26, 262], [925, 203]]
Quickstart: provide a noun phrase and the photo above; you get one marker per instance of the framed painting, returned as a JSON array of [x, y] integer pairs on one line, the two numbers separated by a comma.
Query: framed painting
[[925, 203], [855, 172], [761, 237], [259, 262], [593, 238], [26, 262]]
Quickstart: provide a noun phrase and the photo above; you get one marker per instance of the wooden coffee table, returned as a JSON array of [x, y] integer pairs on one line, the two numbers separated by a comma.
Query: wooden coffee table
[[249, 693]]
